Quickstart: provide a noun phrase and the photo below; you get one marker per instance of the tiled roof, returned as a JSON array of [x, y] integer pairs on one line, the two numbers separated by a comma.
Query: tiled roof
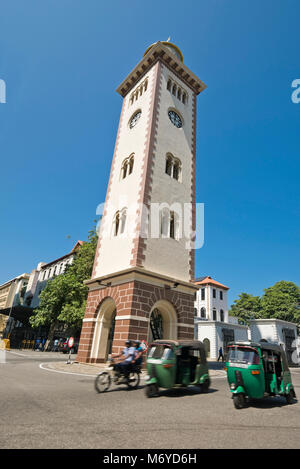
[[210, 281]]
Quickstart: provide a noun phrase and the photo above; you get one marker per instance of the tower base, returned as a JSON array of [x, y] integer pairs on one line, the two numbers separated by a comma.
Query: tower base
[[135, 305]]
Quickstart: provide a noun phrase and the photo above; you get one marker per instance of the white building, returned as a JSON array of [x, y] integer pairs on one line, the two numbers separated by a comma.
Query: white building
[[213, 326], [45, 272], [278, 331]]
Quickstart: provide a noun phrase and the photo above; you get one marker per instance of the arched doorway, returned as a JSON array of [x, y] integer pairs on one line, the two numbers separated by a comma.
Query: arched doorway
[[104, 330], [163, 321], [206, 343]]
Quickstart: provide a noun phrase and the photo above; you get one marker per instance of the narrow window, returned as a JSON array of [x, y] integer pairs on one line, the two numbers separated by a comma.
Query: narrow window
[[169, 165], [222, 315], [202, 294], [124, 169], [195, 312], [203, 313], [221, 295], [176, 170], [214, 314], [164, 230], [145, 85], [123, 221], [179, 94], [169, 85], [172, 225], [117, 224], [183, 98], [130, 165], [214, 293], [174, 90]]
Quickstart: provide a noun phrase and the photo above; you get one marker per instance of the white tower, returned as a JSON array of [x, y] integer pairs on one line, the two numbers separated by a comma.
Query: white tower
[[142, 283]]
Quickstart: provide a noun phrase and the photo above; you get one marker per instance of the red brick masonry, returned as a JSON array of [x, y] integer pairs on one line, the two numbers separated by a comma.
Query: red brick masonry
[[134, 298]]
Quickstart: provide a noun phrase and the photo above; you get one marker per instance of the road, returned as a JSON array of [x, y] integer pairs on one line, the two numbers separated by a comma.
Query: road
[[43, 409]]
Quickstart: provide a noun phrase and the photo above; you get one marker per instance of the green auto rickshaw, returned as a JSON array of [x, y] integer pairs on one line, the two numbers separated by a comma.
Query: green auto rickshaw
[[176, 363], [257, 370]]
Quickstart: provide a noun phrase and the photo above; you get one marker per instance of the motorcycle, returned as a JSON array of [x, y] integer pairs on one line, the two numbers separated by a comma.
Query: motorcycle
[[104, 379]]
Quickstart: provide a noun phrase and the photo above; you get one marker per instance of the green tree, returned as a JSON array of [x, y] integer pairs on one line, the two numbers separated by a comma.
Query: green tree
[[282, 301], [64, 297], [246, 307]]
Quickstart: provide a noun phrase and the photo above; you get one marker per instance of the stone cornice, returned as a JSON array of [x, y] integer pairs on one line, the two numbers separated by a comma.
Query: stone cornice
[[162, 53], [138, 273]]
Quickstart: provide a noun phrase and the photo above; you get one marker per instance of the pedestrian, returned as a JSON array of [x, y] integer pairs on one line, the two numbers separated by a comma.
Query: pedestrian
[[221, 354], [43, 344], [55, 348]]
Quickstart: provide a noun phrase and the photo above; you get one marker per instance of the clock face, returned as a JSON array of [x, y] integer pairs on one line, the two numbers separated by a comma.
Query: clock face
[[175, 119], [134, 119]]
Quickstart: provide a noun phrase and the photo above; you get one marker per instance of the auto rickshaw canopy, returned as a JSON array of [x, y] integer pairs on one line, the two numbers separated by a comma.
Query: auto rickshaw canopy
[[267, 346]]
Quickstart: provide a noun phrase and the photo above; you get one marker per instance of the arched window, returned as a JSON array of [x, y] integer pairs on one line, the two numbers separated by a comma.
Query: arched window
[[127, 166], [130, 164], [119, 222], [179, 93], [203, 313], [146, 84], [174, 89], [173, 167], [141, 90], [184, 98], [169, 85], [222, 315], [195, 312], [214, 314]]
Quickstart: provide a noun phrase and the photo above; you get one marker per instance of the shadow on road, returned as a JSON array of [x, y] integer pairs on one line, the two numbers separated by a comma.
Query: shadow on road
[[269, 403], [182, 392]]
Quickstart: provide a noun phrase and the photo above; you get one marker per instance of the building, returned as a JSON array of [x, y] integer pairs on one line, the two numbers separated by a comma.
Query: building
[[45, 272], [213, 326], [12, 294], [142, 282], [278, 331], [20, 296], [211, 302]]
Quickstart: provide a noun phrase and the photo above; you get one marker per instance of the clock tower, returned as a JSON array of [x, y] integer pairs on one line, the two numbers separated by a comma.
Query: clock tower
[[142, 286]]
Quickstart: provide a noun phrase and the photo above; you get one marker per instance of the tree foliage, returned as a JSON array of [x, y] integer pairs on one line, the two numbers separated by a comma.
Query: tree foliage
[[246, 307], [64, 297], [280, 301]]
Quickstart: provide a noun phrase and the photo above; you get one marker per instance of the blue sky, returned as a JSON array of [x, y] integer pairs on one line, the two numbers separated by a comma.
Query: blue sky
[[62, 61]]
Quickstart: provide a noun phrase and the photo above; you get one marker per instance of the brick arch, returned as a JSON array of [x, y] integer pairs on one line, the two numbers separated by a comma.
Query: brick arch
[[134, 301]]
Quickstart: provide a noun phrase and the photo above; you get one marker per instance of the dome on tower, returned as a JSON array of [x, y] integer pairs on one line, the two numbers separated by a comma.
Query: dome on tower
[[172, 48]]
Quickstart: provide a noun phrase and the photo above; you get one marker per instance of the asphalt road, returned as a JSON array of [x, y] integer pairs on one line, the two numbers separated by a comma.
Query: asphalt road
[[44, 409]]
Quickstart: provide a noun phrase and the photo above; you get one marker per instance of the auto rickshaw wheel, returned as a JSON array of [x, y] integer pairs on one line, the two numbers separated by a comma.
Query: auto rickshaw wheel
[[239, 401], [102, 382], [290, 396], [151, 390], [205, 385], [133, 380]]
